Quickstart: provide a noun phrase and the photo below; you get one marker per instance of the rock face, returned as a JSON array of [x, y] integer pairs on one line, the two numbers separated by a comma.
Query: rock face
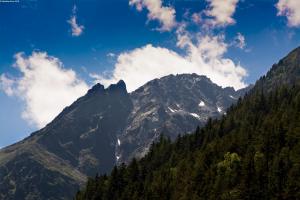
[[106, 127], [86, 132], [171, 105]]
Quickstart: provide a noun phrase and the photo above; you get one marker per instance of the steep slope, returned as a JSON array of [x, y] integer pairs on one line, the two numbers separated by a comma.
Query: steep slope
[[172, 105], [251, 153], [28, 171], [86, 132], [53, 162], [286, 71]]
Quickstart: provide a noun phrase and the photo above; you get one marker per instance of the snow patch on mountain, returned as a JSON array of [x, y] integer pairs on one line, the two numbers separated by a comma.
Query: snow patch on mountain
[[232, 97], [195, 115], [174, 110], [201, 104], [219, 110]]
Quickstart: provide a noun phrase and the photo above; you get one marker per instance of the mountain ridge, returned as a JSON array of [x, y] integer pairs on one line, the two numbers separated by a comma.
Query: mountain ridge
[[94, 133], [193, 89]]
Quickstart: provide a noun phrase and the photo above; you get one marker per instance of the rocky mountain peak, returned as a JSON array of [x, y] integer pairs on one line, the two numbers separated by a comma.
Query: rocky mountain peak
[[173, 104], [120, 86], [96, 89]]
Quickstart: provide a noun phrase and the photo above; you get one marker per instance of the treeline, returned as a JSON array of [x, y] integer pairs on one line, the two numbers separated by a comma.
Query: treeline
[[253, 152]]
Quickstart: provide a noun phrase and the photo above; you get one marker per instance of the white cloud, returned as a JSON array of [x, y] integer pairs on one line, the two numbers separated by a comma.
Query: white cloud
[[240, 41], [204, 51], [76, 29], [205, 58], [290, 9], [6, 85], [221, 11], [45, 86], [165, 15]]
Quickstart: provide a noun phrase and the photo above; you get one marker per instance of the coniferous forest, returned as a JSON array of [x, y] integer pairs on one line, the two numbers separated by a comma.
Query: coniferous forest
[[252, 152]]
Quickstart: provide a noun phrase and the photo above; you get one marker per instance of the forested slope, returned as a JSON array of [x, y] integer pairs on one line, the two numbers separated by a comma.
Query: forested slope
[[252, 152]]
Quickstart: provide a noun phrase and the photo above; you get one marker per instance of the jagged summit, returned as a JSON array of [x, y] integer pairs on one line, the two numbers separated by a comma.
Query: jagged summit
[[120, 86], [96, 88], [173, 104]]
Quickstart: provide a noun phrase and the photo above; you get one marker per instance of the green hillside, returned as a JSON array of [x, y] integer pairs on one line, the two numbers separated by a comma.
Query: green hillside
[[253, 152]]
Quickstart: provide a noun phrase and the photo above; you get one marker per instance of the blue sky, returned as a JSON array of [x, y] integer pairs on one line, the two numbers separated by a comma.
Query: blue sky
[[120, 39]]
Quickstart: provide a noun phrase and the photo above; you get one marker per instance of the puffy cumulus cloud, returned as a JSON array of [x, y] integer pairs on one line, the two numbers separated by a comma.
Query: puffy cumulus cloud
[[205, 58], [203, 51], [45, 86], [221, 11], [76, 29], [290, 9], [165, 15]]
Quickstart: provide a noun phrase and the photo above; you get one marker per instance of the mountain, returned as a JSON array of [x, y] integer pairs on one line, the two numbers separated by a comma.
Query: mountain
[[53, 162], [171, 105], [104, 127], [84, 134], [252, 152]]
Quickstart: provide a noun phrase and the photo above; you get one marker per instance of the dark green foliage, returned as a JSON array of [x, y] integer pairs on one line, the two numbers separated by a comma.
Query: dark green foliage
[[251, 153]]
